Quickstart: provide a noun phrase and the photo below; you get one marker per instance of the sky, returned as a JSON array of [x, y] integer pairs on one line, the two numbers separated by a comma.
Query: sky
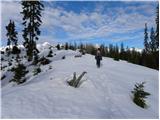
[[93, 22]]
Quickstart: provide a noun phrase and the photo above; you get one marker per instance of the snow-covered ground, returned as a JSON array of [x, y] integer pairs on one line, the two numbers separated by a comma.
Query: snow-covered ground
[[104, 93]]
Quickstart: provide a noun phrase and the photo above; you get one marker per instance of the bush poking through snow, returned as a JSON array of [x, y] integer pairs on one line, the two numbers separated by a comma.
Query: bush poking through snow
[[3, 77], [36, 59], [50, 54], [140, 95], [15, 50], [75, 82], [44, 61], [116, 58], [20, 72], [50, 67], [78, 56], [63, 57], [37, 70]]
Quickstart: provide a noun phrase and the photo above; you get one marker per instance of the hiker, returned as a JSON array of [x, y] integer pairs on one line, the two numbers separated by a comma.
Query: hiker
[[98, 57]]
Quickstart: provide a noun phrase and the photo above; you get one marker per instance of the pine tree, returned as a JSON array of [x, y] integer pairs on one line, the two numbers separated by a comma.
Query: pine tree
[[157, 29], [146, 44], [32, 21], [153, 40], [116, 56], [140, 95], [58, 47], [11, 34], [66, 46], [122, 52]]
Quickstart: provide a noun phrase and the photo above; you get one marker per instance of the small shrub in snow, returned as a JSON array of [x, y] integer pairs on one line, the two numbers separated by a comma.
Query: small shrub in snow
[[58, 47], [2, 67], [50, 67], [2, 52], [116, 58], [50, 54], [44, 61], [16, 50], [63, 57], [82, 51], [9, 63], [3, 77], [35, 59], [75, 82], [140, 95], [78, 56], [19, 73], [37, 70], [12, 69], [2, 59], [7, 50]]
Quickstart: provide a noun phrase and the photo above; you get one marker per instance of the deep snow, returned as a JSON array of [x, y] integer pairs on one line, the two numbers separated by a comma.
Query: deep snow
[[104, 93]]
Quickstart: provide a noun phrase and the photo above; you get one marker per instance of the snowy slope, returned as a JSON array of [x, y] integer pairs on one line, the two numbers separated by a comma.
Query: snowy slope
[[105, 92]]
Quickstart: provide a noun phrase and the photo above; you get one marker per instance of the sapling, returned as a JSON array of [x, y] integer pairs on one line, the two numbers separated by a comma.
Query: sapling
[[139, 95]]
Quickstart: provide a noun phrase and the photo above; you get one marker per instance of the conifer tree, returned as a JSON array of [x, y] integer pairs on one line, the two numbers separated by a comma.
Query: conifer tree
[[32, 21], [157, 29], [11, 34], [66, 46], [146, 44], [140, 95], [152, 43], [122, 51]]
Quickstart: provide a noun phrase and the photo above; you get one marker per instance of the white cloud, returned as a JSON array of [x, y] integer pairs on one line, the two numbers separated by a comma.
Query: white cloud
[[84, 25]]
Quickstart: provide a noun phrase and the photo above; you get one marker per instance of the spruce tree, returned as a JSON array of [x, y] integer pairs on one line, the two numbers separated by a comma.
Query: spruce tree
[[19, 72], [146, 44], [11, 34], [153, 40], [157, 29], [140, 95], [122, 51], [32, 21], [66, 46]]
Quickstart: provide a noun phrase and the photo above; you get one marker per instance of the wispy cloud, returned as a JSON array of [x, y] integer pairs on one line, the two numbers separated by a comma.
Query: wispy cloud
[[103, 22]]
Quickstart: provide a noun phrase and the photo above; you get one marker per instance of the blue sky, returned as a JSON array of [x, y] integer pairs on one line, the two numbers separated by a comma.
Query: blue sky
[[96, 22]]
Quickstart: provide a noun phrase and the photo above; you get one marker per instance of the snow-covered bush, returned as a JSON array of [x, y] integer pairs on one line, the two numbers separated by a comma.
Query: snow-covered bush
[[50, 67], [139, 95], [37, 70], [36, 59], [75, 82], [15, 50], [44, 61], [78, 56], [19, 74], [3, 76], [2, 59], [50, 54], [58, 47], [9, 63], [63, 57], [2, 52]]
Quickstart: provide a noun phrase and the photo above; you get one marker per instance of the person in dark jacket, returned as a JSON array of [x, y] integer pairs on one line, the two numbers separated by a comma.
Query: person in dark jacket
[[98, 57]]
